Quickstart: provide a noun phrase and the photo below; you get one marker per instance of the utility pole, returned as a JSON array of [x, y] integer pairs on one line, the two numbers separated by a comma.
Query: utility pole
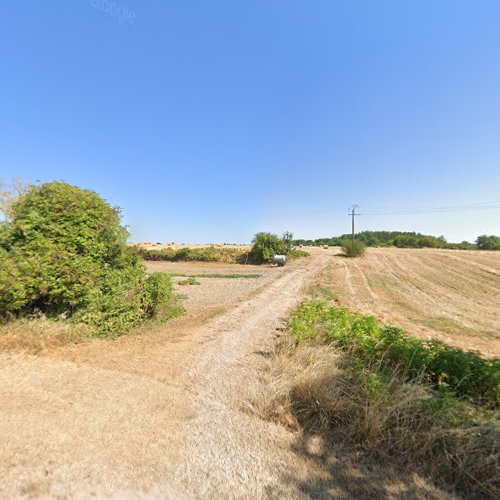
[[353, 214]]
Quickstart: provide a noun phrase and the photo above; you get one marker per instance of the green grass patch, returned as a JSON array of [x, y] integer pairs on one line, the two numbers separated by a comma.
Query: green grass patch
[[216, 275], [189, 281]]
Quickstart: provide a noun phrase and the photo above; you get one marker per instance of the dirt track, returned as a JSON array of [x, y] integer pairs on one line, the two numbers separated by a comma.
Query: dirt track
[[158, 413]]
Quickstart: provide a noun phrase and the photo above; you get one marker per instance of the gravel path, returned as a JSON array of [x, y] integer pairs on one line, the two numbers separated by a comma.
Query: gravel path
[[216, 292]]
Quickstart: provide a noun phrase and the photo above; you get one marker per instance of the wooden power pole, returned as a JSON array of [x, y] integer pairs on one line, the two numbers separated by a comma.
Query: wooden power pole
[[353, 214]]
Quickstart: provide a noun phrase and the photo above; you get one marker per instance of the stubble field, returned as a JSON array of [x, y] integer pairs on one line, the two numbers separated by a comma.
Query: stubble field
[[446, 294]]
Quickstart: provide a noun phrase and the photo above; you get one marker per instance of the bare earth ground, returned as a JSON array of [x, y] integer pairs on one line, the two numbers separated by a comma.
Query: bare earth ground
[[215, 292], [163, 413], [449, 294]]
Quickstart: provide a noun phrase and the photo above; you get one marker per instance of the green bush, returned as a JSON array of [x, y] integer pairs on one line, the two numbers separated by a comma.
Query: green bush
[[65, 249], [465, 373], [266, 245], [158, 294], [297, 254], [12, 289], [354, 248]]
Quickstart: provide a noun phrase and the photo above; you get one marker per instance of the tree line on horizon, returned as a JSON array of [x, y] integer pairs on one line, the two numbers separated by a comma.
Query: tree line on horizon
[[406, 239]]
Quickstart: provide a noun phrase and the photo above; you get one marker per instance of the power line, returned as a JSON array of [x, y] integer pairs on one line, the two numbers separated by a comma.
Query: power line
[[431, 210]]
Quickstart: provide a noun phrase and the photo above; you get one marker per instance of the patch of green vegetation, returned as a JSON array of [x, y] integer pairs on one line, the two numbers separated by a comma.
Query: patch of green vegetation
[[216, 275], [266, 245], [189, 281], [464, 373]]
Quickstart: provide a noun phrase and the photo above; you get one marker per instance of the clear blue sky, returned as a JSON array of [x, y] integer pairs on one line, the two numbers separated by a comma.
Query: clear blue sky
[[210, 120]]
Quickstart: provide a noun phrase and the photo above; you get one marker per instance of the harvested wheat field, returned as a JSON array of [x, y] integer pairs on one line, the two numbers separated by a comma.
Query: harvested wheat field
[[446, 294]]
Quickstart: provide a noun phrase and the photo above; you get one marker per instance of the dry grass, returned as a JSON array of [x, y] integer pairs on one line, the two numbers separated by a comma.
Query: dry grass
[[313, 389], [39, 334], [149, 245]]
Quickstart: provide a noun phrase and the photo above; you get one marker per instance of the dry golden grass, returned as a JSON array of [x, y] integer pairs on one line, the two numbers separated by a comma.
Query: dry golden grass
[[148, 245], [40, 334], [313, 390]]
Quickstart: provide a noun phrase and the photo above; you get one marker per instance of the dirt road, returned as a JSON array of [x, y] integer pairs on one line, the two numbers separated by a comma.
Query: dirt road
[[157, 414]]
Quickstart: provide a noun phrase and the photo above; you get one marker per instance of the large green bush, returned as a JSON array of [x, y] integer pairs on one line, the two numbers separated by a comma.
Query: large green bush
[[63, 252], [266, 245], [354, 248]]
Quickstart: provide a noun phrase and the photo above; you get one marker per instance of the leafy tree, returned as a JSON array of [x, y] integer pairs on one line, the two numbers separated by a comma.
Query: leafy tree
[[265, 246], [402, 239], [485, 242]]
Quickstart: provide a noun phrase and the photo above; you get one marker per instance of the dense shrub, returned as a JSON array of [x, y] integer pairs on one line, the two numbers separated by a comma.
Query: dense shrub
[[352, 248], [158, 302], [12, 289], [65, 249], [266, 245]]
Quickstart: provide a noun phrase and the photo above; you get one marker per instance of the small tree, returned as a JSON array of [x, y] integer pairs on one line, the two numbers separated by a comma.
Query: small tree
[[267, 245]]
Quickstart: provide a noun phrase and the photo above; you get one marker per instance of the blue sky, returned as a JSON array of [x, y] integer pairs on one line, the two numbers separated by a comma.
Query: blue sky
[[209, 121]]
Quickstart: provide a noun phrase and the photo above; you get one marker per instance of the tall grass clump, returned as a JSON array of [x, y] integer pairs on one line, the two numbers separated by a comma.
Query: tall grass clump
[[384, 395], [64, 254], [352, 248]]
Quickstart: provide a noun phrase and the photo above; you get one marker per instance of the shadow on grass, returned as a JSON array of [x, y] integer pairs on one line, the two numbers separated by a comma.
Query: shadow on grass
[[339, 474]]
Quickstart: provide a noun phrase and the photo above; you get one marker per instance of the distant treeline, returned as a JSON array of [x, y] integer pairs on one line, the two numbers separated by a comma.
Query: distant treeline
[[407, 240]]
